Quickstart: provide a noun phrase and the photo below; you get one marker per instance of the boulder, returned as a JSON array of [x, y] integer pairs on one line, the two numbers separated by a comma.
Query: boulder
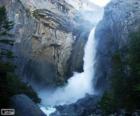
[[24, 106], [83, 107]]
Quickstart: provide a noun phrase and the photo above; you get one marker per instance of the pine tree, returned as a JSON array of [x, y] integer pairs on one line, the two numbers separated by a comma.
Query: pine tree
[[10, 84]]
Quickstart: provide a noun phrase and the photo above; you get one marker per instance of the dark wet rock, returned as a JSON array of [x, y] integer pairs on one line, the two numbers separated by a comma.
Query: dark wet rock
[[75, 63], [24, 106], [83, 107]]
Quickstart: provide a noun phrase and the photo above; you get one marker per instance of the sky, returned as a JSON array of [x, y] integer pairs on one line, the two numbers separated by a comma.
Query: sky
[[101, 3]]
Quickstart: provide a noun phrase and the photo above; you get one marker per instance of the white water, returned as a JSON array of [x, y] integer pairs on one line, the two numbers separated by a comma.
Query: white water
[[78, 85], [47, 110]]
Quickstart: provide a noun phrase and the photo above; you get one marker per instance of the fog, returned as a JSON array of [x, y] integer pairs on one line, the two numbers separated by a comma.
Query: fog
[[79, 84]]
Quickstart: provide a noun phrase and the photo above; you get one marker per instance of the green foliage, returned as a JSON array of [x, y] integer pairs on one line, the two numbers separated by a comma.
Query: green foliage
[[5, 24], [108, 103], [15, 86], [10, 84], [125, 91], [10, 54], [6, 66], [134, 54], [4, 41], [137, 88]]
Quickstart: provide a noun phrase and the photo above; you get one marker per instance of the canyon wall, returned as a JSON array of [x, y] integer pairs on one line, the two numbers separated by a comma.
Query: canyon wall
[[48, 39], [121, 18]]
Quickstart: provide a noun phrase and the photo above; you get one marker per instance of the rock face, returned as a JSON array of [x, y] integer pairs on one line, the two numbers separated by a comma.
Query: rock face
[[120, 19], [24, 106], [83, 107], [47, 37]]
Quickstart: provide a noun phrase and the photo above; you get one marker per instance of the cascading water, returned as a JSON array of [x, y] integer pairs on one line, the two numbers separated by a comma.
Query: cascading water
[[78, 85]]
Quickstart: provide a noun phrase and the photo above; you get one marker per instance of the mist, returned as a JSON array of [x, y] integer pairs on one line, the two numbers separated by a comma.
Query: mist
[[80, 84]]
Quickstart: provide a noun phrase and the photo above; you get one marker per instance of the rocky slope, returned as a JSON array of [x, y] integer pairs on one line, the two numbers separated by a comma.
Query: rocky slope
[[83, 107], [120, 19]]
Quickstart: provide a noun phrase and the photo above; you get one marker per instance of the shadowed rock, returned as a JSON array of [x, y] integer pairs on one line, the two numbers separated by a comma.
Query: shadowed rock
[[24, 106]]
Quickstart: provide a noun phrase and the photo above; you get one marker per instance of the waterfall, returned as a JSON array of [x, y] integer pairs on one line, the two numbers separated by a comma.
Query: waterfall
[[79, 84]]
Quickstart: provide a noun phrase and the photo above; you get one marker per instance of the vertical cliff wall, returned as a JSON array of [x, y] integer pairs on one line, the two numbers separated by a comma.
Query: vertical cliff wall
[[120, 19], [48, 40]]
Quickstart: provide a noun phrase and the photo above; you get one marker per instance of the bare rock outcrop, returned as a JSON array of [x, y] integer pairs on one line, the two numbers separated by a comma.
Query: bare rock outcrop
[[48, 39], [120, 19]]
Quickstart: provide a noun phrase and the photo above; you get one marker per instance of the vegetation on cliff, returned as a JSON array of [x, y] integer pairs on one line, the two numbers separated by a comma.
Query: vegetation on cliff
[[10, 84], [125, 80]]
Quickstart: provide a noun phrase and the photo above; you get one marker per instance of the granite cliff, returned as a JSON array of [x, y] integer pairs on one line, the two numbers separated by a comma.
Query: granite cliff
[[49, 38], [120, 19]]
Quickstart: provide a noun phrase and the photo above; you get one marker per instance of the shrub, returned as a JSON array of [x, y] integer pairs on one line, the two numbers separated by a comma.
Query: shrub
[[125, 87]]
